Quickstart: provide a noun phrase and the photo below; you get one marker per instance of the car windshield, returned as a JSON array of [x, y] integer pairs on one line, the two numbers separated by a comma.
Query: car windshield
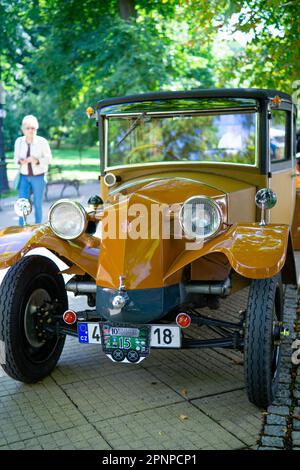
[[146, 138]]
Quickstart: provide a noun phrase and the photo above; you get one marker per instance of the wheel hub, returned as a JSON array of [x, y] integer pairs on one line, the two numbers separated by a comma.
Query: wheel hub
[[36, 314]]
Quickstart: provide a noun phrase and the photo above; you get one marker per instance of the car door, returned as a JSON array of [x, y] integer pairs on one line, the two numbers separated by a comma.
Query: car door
[[282, 163]]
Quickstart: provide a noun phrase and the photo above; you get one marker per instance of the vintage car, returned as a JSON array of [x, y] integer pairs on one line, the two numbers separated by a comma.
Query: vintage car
[[197, 196]]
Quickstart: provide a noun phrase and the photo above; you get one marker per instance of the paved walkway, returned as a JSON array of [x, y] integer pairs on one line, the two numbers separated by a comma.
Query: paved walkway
[[281, 428], [172, 400]]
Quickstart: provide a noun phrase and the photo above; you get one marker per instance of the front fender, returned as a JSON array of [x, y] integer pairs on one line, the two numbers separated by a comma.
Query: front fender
[[253, 251], [15, 242]]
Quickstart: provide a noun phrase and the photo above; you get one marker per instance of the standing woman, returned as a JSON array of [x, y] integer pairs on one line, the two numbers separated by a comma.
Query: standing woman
[[33, 154]]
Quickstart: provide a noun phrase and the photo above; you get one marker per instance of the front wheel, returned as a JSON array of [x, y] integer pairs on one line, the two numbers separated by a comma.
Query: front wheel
[[262, 351], [31, 294]]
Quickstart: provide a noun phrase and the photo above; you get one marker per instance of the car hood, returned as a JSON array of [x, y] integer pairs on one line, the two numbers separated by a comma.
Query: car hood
[[145, 260], [167, 190]]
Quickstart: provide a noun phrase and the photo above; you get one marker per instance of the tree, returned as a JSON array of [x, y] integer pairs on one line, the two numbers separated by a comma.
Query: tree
[[67, 55], [127, 9], [271, 57]]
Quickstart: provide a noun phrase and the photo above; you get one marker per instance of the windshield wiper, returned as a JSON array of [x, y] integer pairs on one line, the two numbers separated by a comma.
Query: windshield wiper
[[132, 127]]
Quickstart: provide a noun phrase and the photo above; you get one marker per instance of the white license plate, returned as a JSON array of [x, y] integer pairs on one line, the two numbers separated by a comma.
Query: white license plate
[[165, 336], [89, 333], [162, 336]]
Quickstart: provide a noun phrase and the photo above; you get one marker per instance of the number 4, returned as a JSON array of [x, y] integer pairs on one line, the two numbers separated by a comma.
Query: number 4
[[96, 335]]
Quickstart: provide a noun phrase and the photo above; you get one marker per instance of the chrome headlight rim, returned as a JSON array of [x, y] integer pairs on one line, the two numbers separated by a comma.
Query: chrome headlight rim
[[213, 202], [79, 207], [113, 182]]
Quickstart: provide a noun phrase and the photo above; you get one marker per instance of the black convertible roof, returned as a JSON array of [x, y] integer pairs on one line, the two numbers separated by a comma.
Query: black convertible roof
[[254, 93]]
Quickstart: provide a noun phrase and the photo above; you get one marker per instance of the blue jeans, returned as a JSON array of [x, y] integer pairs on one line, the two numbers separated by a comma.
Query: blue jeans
[[35, 185]]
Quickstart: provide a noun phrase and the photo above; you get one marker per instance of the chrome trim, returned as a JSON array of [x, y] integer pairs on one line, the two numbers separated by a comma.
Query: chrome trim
[[110, 185], [214, 203], [187, 112]]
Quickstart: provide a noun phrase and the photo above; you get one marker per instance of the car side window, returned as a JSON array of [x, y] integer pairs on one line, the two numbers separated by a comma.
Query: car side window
[[278, 136]]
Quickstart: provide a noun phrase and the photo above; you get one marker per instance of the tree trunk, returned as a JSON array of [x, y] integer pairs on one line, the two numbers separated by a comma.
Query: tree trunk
[[127, 9]]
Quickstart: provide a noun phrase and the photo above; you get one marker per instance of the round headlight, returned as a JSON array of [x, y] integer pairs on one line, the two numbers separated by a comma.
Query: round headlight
[[200, 217], [68, 219]]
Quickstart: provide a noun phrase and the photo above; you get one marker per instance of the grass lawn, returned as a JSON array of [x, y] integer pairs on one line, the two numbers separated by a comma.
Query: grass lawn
[[86, 167]]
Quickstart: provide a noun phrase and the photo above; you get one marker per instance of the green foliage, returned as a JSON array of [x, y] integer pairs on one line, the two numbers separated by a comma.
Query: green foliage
[[271, 57], [57, 57]]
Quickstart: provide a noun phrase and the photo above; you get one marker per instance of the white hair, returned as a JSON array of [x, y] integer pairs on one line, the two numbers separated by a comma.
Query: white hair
[[32, 120]]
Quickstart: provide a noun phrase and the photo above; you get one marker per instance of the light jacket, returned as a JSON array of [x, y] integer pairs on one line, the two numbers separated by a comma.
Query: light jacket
[[39, 149]]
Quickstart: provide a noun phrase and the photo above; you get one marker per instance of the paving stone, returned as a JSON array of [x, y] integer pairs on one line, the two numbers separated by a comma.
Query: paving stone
[[279, 410], [285, 379], [277, 431], [235, 413], [276, 420], [205, 373], [298, 378], [284, 389], [82, 362], [110, 396], [296, 438], [270, 441], [38, 410], [282, 402], [82, 437], [162, 429], [296, 424], [267, 448]]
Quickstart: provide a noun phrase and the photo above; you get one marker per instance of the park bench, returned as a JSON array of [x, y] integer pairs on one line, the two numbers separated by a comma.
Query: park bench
[[55, 176]]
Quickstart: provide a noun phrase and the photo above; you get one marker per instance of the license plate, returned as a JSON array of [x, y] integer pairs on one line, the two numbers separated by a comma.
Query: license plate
[[165, 336], [89, 333], [121, 337], [121, 341]]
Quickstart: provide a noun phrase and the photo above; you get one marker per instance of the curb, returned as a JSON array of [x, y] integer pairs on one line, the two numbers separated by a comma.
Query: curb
[[281, 428]]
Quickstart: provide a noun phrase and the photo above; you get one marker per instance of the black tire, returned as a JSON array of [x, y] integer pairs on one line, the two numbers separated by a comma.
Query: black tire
[[29, 358], [262, 352]]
